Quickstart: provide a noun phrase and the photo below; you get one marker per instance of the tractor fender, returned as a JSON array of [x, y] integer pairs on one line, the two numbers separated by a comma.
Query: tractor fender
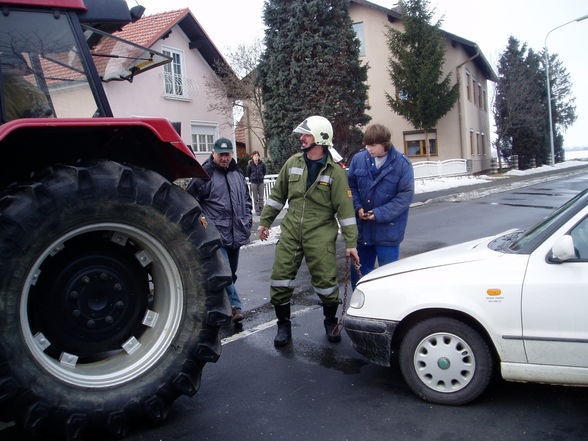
[[151, 143]]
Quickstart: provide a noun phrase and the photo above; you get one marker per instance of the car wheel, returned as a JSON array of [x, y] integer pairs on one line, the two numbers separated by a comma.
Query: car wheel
[[445, 361], [112, 298]]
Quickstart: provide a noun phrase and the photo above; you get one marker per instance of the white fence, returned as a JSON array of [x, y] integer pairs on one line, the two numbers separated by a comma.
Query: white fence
[[450, 167], [268, 183]]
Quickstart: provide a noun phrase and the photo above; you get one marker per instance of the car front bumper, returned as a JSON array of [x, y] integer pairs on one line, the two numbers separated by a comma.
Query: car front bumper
[[372, 338]]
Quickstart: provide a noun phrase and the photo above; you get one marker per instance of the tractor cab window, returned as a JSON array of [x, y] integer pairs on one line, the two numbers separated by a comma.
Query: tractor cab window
[[117, 59], [41, 70]]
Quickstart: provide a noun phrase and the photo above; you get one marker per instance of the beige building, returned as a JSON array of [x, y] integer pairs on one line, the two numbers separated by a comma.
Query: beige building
[[461, 133]]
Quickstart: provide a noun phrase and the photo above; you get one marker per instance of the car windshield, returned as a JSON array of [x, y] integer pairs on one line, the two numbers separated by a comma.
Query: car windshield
[[554, 218]]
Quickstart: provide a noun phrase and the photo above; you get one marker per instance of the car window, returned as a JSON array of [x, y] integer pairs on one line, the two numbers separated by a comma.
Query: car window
[[536, 234], [580, 235]]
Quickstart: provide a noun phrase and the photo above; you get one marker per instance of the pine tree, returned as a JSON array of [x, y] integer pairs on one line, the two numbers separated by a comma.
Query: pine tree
[[416, 69], [311, 67], [517, 108], [520, 106]]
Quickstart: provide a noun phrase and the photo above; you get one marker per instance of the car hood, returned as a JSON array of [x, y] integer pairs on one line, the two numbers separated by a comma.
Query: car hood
[[473, 250]]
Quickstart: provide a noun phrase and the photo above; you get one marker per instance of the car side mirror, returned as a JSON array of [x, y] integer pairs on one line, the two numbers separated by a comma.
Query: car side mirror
[[563, 249]]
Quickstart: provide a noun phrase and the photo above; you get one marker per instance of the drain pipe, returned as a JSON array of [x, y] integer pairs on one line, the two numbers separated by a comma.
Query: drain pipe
[[459, 112]]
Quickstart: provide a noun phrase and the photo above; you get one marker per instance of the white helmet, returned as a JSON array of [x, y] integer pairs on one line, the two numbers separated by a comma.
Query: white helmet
[[319, 127]]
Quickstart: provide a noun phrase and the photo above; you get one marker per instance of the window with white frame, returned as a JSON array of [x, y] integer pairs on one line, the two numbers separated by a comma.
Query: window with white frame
[[358, 29], [203, 136], [174, 74]]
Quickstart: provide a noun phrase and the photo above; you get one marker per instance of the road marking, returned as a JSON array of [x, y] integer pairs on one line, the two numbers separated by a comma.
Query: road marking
[[261, 327]]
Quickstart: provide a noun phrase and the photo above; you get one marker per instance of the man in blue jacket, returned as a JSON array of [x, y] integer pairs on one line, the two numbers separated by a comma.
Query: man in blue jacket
[[382, 183], [226, 202]]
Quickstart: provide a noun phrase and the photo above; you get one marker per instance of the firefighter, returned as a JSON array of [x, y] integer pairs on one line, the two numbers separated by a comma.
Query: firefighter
[[316, 189]]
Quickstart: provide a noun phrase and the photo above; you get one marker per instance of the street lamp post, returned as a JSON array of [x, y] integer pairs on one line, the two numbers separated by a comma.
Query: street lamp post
[[549, 85]]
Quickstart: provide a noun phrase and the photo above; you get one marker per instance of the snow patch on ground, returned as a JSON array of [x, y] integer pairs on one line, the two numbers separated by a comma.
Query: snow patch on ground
[[272, 239]]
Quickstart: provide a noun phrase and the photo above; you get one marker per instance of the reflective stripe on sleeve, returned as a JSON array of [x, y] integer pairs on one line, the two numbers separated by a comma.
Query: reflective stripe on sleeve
[[274, 204], [348, 221]]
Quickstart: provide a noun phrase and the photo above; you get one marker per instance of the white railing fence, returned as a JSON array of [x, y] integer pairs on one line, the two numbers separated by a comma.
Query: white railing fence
[[450, 167], [268, 183]]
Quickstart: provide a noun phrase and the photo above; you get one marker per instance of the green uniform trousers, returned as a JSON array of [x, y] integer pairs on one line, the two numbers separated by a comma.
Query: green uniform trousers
[[319, 251]]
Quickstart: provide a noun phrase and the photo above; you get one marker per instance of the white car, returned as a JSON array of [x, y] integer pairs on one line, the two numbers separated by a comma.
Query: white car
[[516, 302]]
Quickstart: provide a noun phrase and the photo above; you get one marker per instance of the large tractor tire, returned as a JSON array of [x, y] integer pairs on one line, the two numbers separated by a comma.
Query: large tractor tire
[[111, 299]]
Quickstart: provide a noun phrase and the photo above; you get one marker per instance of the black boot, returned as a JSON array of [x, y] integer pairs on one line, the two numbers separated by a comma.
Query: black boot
[[284, 326], [330, 312]]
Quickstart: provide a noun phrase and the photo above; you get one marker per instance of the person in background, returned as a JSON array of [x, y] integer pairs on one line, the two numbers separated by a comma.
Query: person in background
[[226, 202], [256, 172], [316, 190], [382, 183]]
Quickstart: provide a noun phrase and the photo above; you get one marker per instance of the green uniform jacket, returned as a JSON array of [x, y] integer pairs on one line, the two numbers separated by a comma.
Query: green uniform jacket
[[311, 214]]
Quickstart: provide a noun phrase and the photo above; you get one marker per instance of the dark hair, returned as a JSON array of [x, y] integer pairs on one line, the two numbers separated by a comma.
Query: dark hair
[[255, 152], [377, 134]]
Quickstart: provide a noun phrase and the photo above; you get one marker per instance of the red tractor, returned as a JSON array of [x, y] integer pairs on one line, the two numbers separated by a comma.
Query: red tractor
[[111, 281]]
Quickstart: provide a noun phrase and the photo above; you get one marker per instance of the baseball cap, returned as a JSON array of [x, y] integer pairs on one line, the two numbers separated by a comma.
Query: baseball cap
[[223, 145]]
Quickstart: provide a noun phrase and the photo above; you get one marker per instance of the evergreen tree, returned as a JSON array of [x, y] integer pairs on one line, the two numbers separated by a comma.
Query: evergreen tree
[[311, 67], [517, 108], [416, 69], [520, 106]]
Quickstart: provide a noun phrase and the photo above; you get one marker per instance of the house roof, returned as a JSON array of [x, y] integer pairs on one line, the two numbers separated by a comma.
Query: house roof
[[471, 48], [149, 29]]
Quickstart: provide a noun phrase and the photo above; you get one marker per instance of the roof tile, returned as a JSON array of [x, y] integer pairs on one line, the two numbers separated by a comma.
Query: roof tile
[[147, 30]]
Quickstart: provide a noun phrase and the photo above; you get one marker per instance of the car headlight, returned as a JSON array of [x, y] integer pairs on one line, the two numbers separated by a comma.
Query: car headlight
[[357, 299]]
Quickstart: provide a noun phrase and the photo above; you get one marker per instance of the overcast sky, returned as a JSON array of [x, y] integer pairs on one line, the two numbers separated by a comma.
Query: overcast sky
[[487, 23]]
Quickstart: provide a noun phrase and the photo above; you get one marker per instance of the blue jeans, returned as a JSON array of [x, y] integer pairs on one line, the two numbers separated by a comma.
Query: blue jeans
[[233, 258], [367, 258]]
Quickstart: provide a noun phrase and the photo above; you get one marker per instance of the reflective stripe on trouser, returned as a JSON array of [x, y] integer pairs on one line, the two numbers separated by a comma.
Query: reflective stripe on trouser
[[321, 263]]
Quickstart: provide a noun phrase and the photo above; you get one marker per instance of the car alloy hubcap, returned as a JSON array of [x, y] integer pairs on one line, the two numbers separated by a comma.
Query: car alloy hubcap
[[444, 362]]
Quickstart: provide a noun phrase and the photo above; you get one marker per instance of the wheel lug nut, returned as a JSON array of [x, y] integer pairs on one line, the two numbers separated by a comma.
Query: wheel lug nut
[[90, 323], [108, 319], [76, 313], [103, 276], [117, 287], [74, 295], [119, 305], [86, 280]]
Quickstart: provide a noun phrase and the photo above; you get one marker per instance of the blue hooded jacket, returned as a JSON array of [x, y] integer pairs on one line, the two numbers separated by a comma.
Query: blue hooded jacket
[[388, 191]]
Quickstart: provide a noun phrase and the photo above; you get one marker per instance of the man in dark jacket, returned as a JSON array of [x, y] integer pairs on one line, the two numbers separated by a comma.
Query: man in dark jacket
[[226, 202], [382, 183], [256, 173]]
